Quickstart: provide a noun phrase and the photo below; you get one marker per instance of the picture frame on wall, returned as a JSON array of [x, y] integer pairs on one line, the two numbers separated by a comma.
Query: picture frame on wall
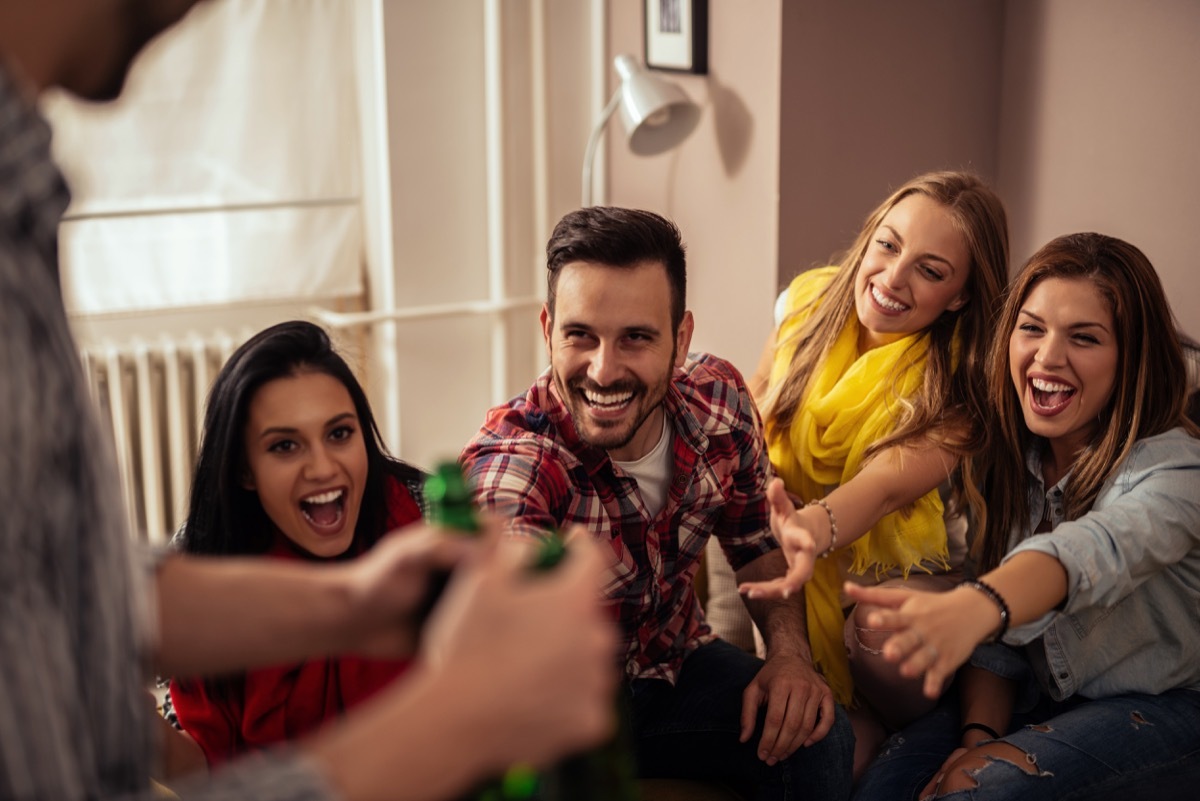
[[677, 35]]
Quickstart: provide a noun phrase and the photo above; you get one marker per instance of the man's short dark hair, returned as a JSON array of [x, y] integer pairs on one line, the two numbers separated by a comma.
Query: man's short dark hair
[[622, 238]]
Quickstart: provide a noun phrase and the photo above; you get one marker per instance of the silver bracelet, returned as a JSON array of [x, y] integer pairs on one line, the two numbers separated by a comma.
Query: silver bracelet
[[832, 525]]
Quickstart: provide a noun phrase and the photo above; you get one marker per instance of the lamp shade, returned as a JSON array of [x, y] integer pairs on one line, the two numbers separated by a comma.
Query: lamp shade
[[657, 115]]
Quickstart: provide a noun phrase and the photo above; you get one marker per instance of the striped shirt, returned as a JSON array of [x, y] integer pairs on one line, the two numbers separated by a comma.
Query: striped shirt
[[74, 712], [528, 464]]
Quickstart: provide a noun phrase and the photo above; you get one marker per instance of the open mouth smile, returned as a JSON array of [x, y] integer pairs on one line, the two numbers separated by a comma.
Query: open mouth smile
[[1049, 397], [325, 511]]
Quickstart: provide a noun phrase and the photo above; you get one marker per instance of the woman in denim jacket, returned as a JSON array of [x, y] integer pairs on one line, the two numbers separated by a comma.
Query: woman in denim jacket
[[1089, 554]]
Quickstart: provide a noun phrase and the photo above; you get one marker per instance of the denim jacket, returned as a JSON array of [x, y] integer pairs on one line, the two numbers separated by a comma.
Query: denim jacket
[[1131, 619]]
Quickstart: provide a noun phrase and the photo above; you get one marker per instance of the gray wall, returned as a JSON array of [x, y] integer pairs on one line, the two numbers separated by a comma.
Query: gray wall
[[873, 93], [1085, 115]]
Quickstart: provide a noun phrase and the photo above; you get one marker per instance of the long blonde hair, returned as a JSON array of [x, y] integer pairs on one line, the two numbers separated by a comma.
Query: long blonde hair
[[949, 407], [1149, 396]]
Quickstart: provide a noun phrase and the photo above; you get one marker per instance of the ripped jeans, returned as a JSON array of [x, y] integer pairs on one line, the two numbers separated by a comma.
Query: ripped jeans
[[1128, 746]]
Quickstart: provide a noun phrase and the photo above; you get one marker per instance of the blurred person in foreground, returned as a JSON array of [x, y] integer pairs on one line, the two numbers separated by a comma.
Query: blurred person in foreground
[[85, 619]]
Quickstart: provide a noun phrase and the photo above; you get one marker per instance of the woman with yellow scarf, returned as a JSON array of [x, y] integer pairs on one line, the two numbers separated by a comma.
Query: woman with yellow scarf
[[872, 392]]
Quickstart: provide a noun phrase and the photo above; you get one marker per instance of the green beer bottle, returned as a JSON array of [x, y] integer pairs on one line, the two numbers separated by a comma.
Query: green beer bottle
[[605, 773]]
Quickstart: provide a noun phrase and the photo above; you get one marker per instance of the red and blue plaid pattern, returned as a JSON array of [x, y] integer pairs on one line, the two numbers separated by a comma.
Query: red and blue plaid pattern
[[528, 465]]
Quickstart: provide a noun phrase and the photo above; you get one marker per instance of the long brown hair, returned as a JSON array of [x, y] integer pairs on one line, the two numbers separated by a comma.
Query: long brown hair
[[1148, 398], [950, 405]]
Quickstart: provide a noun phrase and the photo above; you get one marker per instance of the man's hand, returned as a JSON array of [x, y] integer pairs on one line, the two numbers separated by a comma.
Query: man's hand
[[800, 708], [799, 704], [389, 584], [514, 668]]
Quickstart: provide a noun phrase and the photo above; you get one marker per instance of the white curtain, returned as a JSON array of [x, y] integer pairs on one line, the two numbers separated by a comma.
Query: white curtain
[[229, 171]]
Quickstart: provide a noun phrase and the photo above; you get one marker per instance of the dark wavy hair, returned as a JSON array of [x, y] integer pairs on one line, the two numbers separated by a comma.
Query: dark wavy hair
[[226, 518], [622, 238], [1148, 398]]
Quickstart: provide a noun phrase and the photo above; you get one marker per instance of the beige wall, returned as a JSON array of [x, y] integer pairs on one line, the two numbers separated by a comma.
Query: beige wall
[[445, 228], [721, 184], [1100, 130]]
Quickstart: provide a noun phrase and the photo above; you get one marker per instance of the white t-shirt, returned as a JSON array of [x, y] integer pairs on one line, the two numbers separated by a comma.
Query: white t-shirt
[[653, 472]]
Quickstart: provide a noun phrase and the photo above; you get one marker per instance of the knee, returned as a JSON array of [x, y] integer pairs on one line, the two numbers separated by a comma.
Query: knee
[[838, 743], [864, 643], [836, 747], [860, 614], [962, 774], [841, 724], [824, 769], [988, 771]]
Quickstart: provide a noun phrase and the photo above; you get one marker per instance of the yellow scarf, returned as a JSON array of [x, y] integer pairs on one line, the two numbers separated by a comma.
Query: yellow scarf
[[852, 401]]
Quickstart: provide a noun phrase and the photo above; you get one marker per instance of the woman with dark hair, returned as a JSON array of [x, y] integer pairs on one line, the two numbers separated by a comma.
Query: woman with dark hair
[[1089, 554], [291, 466]]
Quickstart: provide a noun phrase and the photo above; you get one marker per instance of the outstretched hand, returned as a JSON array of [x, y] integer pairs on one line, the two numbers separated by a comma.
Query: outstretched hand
[[935, 632], [797, 542]]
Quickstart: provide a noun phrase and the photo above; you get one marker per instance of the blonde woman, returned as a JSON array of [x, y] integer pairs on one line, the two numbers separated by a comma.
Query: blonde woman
[[872, 393]]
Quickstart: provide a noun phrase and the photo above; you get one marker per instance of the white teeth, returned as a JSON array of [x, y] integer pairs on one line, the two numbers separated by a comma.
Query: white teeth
[[324, 497], [607, 398], [1043, 385], [885, 301]]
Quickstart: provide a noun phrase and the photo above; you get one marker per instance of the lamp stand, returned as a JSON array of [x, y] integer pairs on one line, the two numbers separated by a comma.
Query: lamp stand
[[589, 154]]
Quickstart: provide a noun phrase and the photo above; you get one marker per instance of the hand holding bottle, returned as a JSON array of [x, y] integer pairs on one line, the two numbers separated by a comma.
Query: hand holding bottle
[[546, 642], [513, 669]]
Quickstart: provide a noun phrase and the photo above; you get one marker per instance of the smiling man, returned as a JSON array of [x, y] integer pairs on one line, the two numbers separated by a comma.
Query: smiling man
[[654, 450]]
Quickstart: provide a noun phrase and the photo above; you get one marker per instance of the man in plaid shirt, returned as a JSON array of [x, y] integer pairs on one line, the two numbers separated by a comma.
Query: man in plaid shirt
[[653, 450]]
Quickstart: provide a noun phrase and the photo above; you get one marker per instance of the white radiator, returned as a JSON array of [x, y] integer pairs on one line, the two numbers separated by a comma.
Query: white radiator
[[151, 396]]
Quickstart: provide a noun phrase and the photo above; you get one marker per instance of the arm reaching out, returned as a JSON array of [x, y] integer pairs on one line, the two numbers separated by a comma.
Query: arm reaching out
[[891, 480], [794, 530], [514, 668], [213, 612], [936, 632]]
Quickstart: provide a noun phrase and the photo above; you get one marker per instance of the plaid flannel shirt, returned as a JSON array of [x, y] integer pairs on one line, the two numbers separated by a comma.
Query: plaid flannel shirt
[[529, 465]]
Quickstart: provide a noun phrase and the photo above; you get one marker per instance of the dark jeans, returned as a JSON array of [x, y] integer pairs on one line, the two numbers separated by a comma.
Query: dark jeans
[[690, 731], [1125, 747]]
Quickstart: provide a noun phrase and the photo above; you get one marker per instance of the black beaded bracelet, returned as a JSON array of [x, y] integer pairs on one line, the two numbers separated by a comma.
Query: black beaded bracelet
[[988, 730], [994, 596]]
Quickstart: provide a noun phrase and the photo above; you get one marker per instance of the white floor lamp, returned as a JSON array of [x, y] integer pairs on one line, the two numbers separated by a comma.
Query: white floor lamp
[[656, 114]]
